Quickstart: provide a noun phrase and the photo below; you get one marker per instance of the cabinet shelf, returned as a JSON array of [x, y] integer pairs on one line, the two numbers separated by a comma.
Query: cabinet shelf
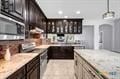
[[64, 26]]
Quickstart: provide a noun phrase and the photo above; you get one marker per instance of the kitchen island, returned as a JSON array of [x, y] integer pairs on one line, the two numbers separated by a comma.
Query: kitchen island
[[62, 50], [100, 64]]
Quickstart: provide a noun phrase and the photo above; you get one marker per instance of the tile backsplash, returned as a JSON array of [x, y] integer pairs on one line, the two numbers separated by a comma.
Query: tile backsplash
[[68, 38], [14, 48]]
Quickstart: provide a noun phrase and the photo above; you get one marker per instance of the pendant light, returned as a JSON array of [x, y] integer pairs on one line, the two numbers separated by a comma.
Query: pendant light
[[108, 14]]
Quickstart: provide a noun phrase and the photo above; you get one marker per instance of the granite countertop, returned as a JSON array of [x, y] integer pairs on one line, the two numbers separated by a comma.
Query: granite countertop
[[106, 62], [17, 61], [43, 46], [59, 44]]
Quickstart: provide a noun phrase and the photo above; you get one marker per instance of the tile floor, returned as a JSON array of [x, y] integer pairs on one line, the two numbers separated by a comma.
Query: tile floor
[[59, 69]]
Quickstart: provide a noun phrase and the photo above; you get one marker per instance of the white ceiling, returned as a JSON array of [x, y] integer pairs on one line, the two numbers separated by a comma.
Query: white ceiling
[[90, 9]]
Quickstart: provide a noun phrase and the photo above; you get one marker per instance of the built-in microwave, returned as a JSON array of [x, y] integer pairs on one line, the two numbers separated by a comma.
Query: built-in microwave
[[11, 30]]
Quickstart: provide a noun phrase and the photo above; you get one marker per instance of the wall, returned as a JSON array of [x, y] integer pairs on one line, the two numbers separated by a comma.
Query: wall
[[86, 38], [96, 23], [116, 33], [14, 48], [106, 36]]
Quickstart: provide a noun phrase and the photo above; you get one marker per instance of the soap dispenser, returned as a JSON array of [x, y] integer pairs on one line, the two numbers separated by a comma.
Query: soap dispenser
[[7, 55]]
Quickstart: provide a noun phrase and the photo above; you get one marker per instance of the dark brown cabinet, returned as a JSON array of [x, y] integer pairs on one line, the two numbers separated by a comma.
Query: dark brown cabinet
[[32, 11], [13, 9], [61, 52], [30, 71], [36, 16], [64, 26], [33, 68], [20, 74], [34, 72], [17, 7]]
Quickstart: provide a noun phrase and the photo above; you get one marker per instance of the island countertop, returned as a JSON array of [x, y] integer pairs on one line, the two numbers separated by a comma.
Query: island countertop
[[106, 62], [59, 44]]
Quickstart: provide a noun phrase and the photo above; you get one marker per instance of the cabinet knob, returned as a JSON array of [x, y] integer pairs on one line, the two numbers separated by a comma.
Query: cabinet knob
[[76, 62]]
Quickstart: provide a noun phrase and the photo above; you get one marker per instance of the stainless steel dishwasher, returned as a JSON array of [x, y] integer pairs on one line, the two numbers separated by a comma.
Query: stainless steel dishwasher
[[43, 63]]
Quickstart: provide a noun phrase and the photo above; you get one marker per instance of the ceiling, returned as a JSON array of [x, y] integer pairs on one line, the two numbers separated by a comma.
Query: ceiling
[[89, 9]]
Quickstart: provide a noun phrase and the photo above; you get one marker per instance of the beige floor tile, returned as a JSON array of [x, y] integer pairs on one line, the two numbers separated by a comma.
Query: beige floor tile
[[59, 69]]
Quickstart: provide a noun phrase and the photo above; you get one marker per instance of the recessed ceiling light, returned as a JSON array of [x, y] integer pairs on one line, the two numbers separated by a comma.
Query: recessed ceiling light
[[65, 16], [60, 12], [77, 12]]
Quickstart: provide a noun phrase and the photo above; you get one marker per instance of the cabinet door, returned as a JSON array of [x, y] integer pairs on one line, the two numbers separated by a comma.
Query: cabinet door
[[20, 74], [49, 27], [16, 7], [79, 27], [78, 67], [62, 52], [80, 71], [32, 12], [19, 7], [87, 74], [34, 72], [75, 27]]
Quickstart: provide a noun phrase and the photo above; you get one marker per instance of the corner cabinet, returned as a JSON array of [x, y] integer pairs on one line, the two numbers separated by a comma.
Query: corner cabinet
[[64, 26], [83, 70]]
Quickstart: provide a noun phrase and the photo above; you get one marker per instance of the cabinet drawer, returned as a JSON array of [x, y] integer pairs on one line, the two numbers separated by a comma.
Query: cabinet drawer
[[33, 62], [19, 74], [80, 60], [92, 71]]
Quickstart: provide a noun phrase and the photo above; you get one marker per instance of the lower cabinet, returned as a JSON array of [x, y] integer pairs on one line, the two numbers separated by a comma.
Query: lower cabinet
[[20, 74], [83, 70], [61, 52], [78, 68], [29, 71], [87, 74], [34, 72]]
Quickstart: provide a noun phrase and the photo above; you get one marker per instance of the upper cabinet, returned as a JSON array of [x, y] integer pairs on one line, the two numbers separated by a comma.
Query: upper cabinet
[[36, 16], [13, 9], [32, 13], [64, 26]]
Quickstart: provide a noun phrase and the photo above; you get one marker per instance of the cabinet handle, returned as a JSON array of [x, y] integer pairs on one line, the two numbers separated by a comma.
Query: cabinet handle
[[76, 62], [76, 76], [92, 73]]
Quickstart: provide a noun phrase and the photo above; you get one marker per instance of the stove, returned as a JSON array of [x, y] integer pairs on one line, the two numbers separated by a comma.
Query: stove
[[30, 48]]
